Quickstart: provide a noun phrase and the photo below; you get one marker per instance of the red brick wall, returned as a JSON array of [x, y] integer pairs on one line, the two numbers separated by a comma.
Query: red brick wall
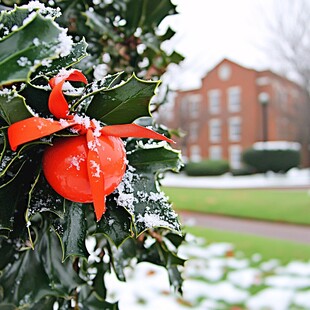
[[282, 109]]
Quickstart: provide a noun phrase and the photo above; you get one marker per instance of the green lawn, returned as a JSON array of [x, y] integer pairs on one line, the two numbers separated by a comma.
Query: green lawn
[[269, 248], [273, 205]]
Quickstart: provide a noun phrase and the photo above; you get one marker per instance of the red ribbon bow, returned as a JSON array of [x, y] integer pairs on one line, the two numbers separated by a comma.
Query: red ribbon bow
[[37, 127]]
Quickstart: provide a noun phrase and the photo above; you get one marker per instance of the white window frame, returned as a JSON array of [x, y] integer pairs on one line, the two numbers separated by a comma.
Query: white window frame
[[193, 103], [234, 128], [215, 130], [215, 152], [193, 131], [235, 156], [195, 153], [214, 101], [234, 105]]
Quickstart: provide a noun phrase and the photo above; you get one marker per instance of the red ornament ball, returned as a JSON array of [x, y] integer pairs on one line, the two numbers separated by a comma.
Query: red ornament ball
[[65, 166]]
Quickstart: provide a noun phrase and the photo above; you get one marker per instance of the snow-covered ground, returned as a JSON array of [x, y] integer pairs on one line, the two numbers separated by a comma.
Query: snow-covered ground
[[216, 277], [293, 178]]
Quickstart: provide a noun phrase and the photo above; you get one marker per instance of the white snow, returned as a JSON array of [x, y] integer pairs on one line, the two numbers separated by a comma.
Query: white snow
[[245, 278], [213, 281], [293, 178], [271, 299]]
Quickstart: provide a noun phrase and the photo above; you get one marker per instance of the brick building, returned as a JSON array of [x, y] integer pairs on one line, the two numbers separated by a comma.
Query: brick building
[[234, 108]]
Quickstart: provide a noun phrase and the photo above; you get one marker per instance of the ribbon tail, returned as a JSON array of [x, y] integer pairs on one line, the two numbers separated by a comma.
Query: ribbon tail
[[95, 175], [70, 75], [57, 102], [133, 130], [34, 128]]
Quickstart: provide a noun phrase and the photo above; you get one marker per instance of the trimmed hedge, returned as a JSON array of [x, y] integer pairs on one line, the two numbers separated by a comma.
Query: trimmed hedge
[[207, 168], [271, 160]]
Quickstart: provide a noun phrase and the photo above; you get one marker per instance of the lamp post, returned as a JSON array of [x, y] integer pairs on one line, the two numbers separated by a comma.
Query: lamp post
[[263, 99]]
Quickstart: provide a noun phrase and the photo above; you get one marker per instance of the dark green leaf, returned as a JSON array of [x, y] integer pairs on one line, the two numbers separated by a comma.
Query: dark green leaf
[[10, 195], [35, 274], [7, 253], [77, 53], [25, 48], [72, 230], [99, 283], [150, 15], [124, 103], [37, 99], [93, 302], [11, 18], [115, 223], [44, 303], [175, 57], [92, 89], [159, 254], [175, 239], [13, 107], [42, 198], [98, 24], [167, 35], [139, 192], [121, 256], [26, 280], [62, 276]]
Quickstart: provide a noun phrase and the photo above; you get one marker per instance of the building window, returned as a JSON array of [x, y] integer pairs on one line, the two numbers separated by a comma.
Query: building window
[[193, 131], [215, 152], [184, 106], [214, 99], [215, 130], [235, 152], [234, 129], [234, 99], [190, 105], [195, 154]]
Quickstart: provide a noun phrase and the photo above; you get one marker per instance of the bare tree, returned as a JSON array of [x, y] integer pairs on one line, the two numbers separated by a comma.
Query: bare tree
[[289, 31]]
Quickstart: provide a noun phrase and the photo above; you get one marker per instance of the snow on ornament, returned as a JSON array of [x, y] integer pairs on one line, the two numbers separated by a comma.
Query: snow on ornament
[[83, 168]]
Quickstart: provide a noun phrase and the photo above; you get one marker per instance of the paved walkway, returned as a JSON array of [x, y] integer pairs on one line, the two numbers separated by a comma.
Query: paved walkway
[[297, 233]]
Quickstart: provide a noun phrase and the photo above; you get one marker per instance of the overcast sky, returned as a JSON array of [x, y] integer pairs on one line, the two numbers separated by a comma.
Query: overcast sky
[[210, 30]]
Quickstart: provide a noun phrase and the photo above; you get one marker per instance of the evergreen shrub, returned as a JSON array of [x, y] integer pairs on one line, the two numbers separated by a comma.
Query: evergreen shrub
[[271, 160]]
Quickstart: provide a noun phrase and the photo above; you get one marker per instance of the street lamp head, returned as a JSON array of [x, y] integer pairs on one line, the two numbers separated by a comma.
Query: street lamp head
[[263, 98]]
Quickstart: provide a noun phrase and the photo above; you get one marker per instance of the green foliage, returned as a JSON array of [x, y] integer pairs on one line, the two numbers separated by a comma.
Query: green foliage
[[52, 250], [271, 160], [207, 168], [123, 35]]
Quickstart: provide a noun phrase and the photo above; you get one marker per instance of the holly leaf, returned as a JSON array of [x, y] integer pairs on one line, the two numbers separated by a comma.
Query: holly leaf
[[78, 52], [124, 103], [116, 223], [150, 14], [98, 24], [10, 195], [16, 174], [37, 99], [72, 230], [36, 274], [13, 107], [91, 89], [25, 45], [42, 198], [140, 193], [94, 302], [158, 253]]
